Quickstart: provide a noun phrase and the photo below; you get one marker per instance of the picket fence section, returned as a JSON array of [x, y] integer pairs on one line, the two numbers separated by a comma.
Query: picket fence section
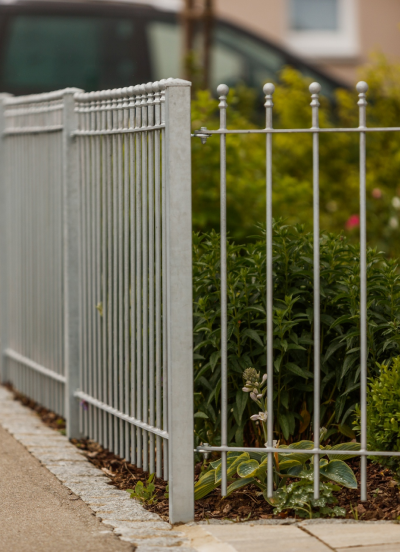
[[96, 269]]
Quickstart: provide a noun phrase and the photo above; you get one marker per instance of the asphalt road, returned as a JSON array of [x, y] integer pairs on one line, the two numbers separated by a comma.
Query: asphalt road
[[37, 513]]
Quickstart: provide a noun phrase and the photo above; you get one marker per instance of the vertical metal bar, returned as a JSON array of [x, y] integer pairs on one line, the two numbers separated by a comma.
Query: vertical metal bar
[[115, 371], [126, 297], [180, 313], [4, 286], [157, 200], [94, 274], [362, 88], [88, 285], [268, 91], [97, 215], [104, 268], [139, 363], [315, 89], [150, 108], [133, 269], [164, 273], [223, 91], [71, 240], [82, 310], [145, 270], [109, 307], [120, 120]]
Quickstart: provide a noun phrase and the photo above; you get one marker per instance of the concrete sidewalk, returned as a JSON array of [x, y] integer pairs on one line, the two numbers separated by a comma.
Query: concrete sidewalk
[[37, 513]]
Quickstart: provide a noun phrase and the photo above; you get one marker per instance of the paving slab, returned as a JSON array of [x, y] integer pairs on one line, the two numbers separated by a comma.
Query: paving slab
[[254, 538], [340, 536]]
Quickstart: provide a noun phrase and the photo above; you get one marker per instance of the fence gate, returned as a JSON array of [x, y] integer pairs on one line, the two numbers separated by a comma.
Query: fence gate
[[96, 269]]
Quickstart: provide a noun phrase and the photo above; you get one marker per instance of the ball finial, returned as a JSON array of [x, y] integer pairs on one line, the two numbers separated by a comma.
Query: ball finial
[[268, 89], [362, 87], [315, 88], [223, 90]]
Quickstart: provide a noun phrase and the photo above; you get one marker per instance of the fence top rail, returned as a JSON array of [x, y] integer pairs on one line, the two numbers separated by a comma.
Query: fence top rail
[[39, 98], [138, 90]]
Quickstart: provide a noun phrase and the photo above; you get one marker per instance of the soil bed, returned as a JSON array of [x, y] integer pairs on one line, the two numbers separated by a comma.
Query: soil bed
[[383, 489]]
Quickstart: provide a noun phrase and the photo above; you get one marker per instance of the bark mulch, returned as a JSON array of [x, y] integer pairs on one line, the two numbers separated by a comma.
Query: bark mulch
[[383, 488]]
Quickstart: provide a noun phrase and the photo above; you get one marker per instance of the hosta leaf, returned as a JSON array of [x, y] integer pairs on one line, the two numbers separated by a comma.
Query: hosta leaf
[[307, 445], [344, 429], [287, 464], [205, 485], [231, 457], [238, 484], [344, 446], [341, 473], [247, 468], [295, 471], [232, 463]]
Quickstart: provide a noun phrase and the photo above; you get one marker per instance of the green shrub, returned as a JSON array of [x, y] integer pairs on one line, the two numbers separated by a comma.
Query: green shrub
[[383, 413], [292, 159], [293, 332]]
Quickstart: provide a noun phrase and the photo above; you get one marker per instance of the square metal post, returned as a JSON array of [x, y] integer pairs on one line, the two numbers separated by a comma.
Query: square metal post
[[180, 301], [71, 238], [3, 243]]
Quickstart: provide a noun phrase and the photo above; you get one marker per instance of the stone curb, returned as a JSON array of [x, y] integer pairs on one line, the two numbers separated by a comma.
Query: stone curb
[[127, 518]]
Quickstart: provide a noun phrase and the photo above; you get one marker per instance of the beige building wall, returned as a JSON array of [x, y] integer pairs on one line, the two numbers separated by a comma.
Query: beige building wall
[[372, 25]]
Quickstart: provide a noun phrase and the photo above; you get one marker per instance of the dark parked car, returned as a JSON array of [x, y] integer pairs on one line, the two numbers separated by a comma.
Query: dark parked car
[[48, 45]]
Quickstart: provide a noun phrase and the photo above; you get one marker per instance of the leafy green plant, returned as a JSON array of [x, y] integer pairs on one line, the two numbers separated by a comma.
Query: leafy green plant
[[245, 469], [145, 493], [293, 332], [292, 159], [383, 413]]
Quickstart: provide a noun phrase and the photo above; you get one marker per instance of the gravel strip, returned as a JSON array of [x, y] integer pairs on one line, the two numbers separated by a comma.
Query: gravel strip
[[127, 518]]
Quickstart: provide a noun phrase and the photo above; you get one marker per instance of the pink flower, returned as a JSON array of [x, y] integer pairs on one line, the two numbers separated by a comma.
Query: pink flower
[[353, 222], [376, 193]]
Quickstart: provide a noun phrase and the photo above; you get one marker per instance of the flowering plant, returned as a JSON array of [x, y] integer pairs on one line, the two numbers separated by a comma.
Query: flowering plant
[[251, 468]]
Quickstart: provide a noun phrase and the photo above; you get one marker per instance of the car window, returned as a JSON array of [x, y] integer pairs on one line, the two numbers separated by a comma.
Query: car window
[[50, 52], [237, 58]]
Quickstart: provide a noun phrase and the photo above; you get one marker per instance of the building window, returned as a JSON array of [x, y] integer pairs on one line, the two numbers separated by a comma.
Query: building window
[[323, 29], [311, 15]]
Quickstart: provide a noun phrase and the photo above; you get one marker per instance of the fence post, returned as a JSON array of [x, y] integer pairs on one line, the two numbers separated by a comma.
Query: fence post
[[3, 243], [179, 298], [71, 262]]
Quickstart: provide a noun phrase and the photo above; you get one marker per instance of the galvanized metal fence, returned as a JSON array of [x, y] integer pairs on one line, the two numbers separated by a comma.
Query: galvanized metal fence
[[97, 291], [269, 132], [96, 270], [32, 203]]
